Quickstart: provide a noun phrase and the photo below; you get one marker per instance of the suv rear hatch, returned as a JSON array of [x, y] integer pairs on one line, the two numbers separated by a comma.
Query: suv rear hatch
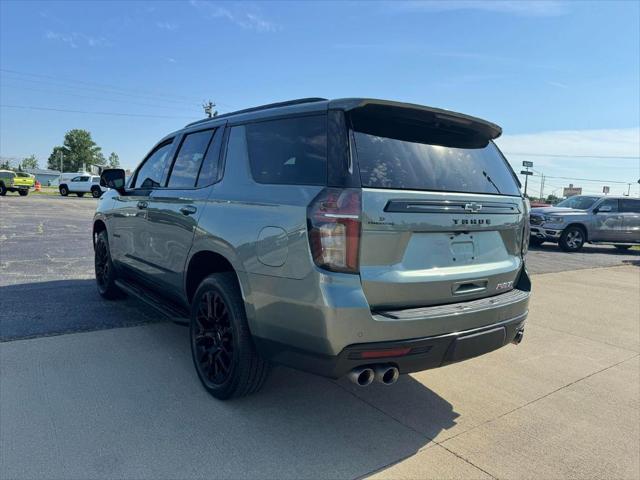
[[442, 215]]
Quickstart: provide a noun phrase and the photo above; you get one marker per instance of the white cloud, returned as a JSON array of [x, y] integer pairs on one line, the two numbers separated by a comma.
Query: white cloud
[[76, 40], [588, 156], [242, 15], [167, 26], [622, 142], [532, 8]]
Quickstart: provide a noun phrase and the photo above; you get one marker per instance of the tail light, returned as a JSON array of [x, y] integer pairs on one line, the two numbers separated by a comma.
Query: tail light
[[334, 229], [526, 230]]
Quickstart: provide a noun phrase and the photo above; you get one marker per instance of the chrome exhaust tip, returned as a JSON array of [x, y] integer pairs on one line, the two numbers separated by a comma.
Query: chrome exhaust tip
[[361, 376], [387, 374], [518, 338]]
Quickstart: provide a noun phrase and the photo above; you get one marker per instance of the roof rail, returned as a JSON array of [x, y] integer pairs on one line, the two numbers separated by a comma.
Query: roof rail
[[262, 107]]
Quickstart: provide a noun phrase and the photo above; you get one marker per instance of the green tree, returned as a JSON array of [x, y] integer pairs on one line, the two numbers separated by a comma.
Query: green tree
[[114, 160], [29, 163], [78, 150], [5, 165]]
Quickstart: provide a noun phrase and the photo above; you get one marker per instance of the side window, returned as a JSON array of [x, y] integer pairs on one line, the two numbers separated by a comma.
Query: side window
[[185, 168], [76, 179], [629, 205], [610, 202], [209, 172], [84, 179], [150, 173], [95, 179], [289, 151]]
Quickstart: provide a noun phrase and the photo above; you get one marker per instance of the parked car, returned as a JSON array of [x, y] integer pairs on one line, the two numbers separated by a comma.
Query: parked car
[[80, 184], [355, 237], [11, 181], [587, 219]]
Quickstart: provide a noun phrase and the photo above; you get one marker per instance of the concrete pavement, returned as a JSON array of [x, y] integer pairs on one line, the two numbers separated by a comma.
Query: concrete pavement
[[125, 403]]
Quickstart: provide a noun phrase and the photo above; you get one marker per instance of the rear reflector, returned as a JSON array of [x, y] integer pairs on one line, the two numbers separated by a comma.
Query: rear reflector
[[391, 352]]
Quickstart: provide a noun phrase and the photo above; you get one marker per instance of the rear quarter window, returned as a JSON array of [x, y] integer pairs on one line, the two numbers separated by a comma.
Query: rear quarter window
[[289, 151]]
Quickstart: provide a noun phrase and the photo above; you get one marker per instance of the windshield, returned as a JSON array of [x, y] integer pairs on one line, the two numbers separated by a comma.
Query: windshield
[[402, 164], [578, 202]]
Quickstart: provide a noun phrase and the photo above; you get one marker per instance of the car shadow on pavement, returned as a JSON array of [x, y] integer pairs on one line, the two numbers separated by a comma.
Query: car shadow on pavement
[[64, 306], [115, 401]]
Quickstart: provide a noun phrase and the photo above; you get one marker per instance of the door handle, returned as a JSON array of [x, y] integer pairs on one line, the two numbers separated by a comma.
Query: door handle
[[142, 204], [188, 210]]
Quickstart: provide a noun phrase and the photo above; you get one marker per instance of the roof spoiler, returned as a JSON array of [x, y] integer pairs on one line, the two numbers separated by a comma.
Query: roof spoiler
[[418, 114]]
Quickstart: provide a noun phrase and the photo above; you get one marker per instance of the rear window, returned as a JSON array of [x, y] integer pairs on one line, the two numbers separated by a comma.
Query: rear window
[[290, 151], [420, 164]]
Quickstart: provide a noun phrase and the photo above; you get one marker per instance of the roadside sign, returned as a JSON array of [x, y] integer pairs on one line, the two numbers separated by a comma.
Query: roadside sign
[[571, 191], [605, 189], [527, 164], [526, 172]]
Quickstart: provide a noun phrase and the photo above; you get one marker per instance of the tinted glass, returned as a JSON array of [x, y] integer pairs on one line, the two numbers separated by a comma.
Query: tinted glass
[[209, 171], [402, 164], [610, 202], [151, 172], [187, 165], [291, 151], [630, 205], [578, 202]]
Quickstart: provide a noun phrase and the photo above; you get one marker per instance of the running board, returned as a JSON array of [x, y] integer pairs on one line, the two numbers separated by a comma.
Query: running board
[[168, 309]]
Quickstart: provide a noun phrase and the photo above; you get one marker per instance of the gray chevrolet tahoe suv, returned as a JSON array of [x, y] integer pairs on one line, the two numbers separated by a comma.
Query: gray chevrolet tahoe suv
[[354, 237], [587, 218]]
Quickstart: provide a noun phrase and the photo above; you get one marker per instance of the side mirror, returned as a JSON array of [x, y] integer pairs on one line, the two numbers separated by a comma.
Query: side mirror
[[113, 178], [604, 208]]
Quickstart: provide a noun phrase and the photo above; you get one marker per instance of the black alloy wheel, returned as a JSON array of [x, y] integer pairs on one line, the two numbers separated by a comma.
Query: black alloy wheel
[[222, 348], [105, 273], [212, 338]]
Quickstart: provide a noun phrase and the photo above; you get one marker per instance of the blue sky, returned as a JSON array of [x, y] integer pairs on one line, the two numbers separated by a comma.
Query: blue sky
[[561, 78]]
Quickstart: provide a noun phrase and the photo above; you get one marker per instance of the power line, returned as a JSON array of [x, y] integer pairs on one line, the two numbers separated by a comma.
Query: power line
[[110, 88], [557, 155], [585, 179], [101, 98], [118, 114]]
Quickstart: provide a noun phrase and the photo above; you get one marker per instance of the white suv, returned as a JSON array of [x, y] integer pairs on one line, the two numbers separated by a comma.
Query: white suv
[[81, 184]]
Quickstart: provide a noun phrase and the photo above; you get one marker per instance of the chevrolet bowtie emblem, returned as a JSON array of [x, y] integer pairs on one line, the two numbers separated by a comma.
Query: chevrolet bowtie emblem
[[473, 207]]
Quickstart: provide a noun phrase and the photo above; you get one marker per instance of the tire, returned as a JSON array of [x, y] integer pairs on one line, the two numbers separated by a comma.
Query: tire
[[572, 239], [96, 192], [222, 349], [623, 247], [64, 191], [3, 190], [535, 241], [23, 193], [80, 194], [105, 273]]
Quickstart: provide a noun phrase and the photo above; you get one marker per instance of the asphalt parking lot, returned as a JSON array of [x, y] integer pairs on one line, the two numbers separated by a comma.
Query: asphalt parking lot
[[81, 398]]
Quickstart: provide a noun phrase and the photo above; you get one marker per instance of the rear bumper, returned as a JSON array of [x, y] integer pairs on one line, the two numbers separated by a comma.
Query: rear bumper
[[422, 353]]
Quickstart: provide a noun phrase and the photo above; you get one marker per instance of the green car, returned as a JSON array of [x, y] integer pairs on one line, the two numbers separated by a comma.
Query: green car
[[15, 182]]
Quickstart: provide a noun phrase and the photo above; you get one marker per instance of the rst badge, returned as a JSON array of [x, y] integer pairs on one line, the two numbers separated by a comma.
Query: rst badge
[[504, 286]]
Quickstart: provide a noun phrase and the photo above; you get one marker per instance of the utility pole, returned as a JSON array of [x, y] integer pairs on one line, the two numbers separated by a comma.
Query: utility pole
[[61, 161], [209, 109], [541, 186]]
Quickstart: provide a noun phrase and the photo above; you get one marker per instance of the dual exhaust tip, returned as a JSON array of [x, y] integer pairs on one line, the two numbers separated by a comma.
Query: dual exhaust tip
[[364, 376]]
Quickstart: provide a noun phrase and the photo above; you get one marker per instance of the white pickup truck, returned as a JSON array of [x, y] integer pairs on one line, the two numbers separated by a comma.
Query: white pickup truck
[[80, 183]]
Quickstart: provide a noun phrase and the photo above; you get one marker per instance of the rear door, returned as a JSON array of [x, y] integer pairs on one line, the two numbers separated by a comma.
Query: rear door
[[630, 210], [443, 219], [608, 221], [174, 211]]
